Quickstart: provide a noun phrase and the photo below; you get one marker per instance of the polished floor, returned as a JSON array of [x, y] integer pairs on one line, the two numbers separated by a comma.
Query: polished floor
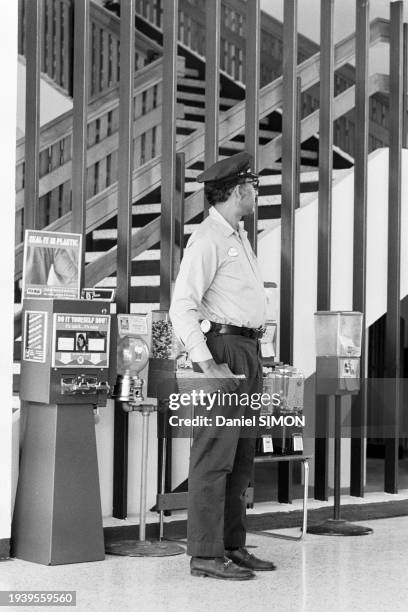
[[320, 574]]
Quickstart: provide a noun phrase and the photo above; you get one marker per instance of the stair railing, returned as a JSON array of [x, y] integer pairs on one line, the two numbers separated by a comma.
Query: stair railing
[[102, 205], [102, 152], [57, 45], [232, 61]]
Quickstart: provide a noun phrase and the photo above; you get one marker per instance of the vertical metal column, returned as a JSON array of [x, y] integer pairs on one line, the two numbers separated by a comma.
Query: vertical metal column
[[405, 90], [289, 178], [289, 196], [179, 212], [337, 456], [168, 186], [362, 120], [124, 258], [393, 325], [212, 84], [168, 166], [33, 28], [79, 127], [252, 86], [298, 138], [324, 223]]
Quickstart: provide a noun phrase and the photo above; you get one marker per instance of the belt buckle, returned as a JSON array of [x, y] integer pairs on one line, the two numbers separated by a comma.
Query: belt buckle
[[261, 330]]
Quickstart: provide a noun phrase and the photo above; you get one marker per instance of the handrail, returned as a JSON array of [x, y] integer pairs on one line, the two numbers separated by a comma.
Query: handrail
[[149, 235], [233, 23], [102, 206], [57, 45], [61, 126], [56, 150]]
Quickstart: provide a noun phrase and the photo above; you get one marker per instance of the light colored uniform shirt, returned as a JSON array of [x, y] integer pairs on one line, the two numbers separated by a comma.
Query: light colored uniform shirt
[[219, 280]]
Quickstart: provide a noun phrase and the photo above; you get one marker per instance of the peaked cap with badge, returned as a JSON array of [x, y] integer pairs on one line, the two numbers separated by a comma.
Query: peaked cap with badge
[[230, 171]]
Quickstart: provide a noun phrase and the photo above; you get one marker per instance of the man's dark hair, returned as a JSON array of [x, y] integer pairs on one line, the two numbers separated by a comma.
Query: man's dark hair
[[218, 193]]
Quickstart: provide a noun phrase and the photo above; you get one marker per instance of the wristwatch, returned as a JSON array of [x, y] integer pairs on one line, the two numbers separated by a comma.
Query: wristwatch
[[205, 326]]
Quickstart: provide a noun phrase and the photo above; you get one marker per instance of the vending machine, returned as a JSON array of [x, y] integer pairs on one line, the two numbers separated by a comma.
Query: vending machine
[[64, 375]]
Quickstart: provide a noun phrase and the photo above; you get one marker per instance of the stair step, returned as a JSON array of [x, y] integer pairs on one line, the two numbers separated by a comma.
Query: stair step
[[263, 224], [143, 299], [183, 96], [193, 73], [191, 82], [135, 281], [263, 133], [189, 124], [151, 255], [233, 145], [305, 154], [145, 209]]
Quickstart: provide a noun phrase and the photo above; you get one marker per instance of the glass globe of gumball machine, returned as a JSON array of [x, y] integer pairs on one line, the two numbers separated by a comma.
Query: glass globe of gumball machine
[[132, 358]]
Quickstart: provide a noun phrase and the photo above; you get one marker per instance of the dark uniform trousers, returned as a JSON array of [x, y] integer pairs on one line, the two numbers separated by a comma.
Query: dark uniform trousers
[[221, 459]]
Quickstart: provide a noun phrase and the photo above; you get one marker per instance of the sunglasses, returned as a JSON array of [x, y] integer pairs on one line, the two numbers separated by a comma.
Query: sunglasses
[[253, 181]]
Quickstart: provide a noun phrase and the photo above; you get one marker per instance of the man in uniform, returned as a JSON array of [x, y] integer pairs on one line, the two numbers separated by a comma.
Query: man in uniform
[[218, 310]]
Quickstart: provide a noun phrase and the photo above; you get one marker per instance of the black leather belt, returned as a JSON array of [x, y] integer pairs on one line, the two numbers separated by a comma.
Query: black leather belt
[[248, 332]]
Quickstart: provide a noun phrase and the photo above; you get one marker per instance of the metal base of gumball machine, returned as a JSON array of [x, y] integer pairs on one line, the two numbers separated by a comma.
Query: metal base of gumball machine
[[339, 527], [136, 548], [143, 547]]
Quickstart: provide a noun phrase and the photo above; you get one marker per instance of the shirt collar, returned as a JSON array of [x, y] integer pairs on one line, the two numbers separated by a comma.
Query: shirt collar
[[227, 228]]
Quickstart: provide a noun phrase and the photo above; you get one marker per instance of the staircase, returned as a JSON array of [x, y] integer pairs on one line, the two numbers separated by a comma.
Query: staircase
[[191, 96], [102, 148]]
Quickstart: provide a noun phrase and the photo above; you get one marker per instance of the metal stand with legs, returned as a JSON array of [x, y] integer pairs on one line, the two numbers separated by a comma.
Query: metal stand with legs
[[143, 547], [304, 459], [336, 525]]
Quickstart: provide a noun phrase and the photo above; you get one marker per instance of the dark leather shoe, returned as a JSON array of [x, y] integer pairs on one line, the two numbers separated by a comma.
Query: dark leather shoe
[[242, 558], [219, 567]]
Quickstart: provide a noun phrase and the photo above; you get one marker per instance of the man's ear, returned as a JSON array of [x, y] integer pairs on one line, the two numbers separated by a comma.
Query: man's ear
[[237, 190]]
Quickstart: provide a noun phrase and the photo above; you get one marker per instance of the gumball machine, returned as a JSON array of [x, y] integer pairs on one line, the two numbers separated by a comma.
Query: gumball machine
[[132, 357], [338, 352]]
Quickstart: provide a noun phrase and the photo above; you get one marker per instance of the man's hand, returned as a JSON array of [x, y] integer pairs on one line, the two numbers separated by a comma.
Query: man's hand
[[230, 381]]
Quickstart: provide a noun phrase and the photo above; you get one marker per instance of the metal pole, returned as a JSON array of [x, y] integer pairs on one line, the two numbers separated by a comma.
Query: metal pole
[[305, 495], [163, 482], [212, 84], [179, 213], [79, 126], [324, 223], [252, 87], [289, 178], [337, 526], [405, 88], [143, 475], [393, 325], [359, 402], [289, 197], [124, 261], [33, 28], [337, 457], [168, 166], [298, 138]]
